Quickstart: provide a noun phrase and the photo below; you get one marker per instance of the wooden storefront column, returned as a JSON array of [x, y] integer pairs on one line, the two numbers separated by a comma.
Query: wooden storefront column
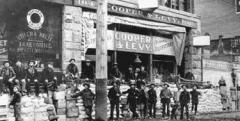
[[151, 67]]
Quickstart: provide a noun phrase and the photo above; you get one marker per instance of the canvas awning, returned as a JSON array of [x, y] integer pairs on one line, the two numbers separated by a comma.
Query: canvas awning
[[178, 33]]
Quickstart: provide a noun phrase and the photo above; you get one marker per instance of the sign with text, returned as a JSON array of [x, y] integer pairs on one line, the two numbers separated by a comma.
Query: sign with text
[[138, 13], [163, 46], [133, 42], [91, 39]]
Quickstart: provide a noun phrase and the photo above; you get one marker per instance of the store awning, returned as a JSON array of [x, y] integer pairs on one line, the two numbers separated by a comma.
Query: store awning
[[146, 24], [93, 58], [137, 22]]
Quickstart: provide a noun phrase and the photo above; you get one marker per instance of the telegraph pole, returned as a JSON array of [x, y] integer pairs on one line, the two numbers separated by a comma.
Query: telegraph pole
[[101, 61]]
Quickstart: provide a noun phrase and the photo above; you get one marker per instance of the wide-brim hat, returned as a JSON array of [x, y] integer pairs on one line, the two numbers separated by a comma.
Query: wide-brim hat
[[31, 61], [72, 59], [86, 84], [152, 84], [116, 82]]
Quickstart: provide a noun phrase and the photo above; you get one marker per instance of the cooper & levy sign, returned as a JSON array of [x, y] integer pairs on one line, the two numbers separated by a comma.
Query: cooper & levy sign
[[138, 13], [133, 42]]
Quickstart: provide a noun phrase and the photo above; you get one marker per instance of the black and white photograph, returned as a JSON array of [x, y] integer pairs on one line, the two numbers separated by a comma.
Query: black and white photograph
[[119, 60]]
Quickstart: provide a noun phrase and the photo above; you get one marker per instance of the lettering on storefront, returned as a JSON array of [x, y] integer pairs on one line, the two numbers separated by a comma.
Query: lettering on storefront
[[35, 42], [3, 47], [133, 42], [163, 46], [138, 13]]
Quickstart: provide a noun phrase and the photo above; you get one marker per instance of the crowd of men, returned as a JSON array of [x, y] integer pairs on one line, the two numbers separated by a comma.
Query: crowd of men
[[19, 81]]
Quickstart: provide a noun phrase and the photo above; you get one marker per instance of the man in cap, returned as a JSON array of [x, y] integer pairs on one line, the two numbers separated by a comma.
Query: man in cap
[[115, 73], [152, 101], [20, 76], [195, 95], [143, 74], [143, 100], [88, 97], [88, 71], [165, 96], [132, 98], [114, 98], [8, 74], [50, 81], [32, 78], [184, 101], [72, 69]]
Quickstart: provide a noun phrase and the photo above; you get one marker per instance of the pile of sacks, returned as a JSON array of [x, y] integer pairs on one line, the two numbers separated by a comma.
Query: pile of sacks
[[210, 101], [34, 108]]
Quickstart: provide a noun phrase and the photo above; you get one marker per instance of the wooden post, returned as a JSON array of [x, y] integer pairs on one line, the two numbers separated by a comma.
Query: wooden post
[[101, 61], [151, 67]]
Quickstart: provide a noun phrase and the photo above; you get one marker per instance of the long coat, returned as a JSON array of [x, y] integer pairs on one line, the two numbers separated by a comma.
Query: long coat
[[184, 97], [87, 96], [112, 94]]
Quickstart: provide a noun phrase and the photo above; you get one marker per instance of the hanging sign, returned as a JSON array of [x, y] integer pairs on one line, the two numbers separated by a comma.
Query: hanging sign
[[163, 46], [133, 42]]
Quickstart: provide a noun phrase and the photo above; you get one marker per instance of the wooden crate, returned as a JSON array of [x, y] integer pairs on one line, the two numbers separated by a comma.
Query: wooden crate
[[61, 111], [72, 112]]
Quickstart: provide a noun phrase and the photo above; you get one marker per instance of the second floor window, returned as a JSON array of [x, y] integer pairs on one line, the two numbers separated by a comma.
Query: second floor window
[[182, 5]]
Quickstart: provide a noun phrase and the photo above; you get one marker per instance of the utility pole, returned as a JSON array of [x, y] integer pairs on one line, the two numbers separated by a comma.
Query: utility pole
[[101, 61]]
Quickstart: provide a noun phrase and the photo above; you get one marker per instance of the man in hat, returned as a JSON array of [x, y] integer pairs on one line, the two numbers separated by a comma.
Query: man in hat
[[115, 73], [152, 101], [50, 80], [8, 75], [16, 103], [165, 96], [184, 101], [143, 100], [143, 74], [129, 75], [88, 71], [195, 95], [88, 97], [20, 76], [132, 98], [32, 78], [72, 69], [114, 98]]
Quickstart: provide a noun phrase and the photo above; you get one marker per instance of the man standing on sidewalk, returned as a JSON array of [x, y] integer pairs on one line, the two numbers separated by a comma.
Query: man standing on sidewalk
[[114, 98], [165, 96], [195, 94], [184, 101]]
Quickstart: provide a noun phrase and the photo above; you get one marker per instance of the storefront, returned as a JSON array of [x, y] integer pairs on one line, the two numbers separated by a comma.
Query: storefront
[[32, 33], [149, 42], [58, 31]]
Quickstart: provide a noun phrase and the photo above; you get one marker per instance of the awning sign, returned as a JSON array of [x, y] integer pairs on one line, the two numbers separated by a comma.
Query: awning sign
[[133, 42]]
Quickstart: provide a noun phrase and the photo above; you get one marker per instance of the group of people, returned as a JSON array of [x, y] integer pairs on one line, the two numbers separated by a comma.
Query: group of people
[[27, 79], [144, 100]]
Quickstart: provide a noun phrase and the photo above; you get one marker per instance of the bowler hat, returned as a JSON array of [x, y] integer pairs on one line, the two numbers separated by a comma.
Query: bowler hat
[[86, 84], [72, 59]]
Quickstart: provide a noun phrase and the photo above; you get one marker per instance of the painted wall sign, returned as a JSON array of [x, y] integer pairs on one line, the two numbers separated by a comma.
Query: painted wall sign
[[133, 42], [38, 15], [35, 42], [138, 13]]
